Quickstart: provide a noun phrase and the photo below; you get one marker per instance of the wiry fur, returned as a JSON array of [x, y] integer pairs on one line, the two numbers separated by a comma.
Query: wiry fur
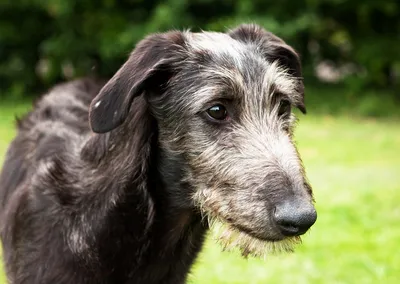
[[131, 203]]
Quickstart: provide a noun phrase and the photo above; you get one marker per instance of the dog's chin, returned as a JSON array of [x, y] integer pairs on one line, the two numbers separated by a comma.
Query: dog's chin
[[233, 238]]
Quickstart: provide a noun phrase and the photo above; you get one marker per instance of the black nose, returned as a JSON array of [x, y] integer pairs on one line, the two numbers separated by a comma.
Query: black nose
[[295, 217]]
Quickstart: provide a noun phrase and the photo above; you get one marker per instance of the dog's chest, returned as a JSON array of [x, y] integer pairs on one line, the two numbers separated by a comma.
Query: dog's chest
[[170, 263]]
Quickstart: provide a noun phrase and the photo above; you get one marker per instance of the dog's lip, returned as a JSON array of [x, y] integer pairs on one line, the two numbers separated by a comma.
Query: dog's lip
[[249, 232]]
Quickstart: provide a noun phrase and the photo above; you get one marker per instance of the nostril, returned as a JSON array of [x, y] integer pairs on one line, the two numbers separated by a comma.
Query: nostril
[[287, 228], [294, 220]]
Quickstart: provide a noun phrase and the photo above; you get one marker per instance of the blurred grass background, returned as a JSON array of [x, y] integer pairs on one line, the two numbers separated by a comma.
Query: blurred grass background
[[353, 163], [349, 140]]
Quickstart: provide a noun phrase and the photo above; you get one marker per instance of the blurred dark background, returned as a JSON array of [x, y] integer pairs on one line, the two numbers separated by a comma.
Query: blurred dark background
[[352, 44]]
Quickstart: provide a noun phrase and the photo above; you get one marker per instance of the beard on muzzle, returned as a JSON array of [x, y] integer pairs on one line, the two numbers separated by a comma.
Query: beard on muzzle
[[230, 238]]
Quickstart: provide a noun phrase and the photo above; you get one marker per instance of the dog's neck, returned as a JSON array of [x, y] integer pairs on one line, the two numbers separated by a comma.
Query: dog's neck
[[175, 206], [131, 155]]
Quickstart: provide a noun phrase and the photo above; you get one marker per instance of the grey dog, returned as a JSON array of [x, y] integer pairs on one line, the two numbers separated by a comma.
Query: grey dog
[[119, 182]]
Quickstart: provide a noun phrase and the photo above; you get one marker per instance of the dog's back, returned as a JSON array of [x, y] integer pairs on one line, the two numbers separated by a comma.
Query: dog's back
[[44, 132], [59, 120]]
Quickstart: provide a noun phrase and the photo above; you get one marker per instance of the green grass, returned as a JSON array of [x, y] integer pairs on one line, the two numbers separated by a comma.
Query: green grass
[[354, 167]]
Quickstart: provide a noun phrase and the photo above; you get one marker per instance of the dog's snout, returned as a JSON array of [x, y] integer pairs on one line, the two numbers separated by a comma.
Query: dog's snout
[[295, 217]]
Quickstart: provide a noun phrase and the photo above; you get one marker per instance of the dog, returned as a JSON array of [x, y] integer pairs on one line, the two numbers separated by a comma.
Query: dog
[[119, 181]]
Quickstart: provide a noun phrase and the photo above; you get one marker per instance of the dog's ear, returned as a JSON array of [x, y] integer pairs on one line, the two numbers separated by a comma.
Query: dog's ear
[[274, 49], [149, 66]]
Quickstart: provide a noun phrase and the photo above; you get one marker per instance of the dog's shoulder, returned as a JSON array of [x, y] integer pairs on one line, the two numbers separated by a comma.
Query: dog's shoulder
[[67, 103]]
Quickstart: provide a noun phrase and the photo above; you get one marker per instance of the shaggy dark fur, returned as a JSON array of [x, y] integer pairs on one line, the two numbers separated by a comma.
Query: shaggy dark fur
[[75, 220], [117, 205]]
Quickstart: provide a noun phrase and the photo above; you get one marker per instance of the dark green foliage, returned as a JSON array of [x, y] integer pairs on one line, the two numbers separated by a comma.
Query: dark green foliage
[[46, 41]]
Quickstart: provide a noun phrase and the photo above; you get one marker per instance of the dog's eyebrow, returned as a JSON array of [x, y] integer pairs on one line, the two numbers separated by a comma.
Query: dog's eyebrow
[[227, 94], [276, 92]]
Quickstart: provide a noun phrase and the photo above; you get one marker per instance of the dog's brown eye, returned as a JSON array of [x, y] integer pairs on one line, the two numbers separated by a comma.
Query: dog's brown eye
[[284, 108], [218, 112]]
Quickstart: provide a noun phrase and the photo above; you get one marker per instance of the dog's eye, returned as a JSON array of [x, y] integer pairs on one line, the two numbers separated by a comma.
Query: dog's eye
[[218, 112], [284, 108]]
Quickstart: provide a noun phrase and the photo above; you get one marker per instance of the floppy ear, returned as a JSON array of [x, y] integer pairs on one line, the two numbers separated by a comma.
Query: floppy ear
[[150, 65], [274, 49]]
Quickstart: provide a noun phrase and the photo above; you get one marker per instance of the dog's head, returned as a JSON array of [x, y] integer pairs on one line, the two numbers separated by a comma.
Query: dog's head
[[223, 105]]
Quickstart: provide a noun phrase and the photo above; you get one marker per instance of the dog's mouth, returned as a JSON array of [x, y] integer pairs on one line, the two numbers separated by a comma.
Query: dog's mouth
[[248, 231], [235, 237]]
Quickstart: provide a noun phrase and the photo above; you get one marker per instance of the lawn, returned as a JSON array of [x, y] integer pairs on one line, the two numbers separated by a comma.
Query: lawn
[[354, 167]]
